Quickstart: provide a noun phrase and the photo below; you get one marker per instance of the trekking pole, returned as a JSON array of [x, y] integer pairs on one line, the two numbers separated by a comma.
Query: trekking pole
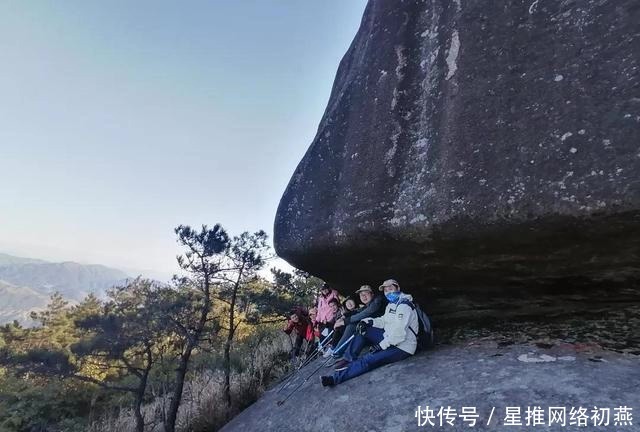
[[281, 402], [315, 352], [325, 340], [288, 378], [321, 345], [311, 357]]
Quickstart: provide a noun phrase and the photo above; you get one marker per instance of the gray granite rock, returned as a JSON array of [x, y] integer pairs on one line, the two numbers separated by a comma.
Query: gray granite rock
[[486, 155], [487, 149], [483, 373]]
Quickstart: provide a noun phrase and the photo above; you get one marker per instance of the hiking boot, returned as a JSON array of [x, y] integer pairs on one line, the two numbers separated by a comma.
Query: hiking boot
[[341, 365], [327, 381]]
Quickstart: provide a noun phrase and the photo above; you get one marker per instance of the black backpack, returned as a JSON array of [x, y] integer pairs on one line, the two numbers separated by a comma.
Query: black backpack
[[424, 336]]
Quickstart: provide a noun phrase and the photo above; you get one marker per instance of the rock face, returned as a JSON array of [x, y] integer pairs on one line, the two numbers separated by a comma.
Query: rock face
[[476, 144], [568, 362], [484, 375]]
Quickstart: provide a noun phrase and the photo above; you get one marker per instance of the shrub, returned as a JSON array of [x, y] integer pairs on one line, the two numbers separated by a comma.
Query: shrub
[[259, 360]]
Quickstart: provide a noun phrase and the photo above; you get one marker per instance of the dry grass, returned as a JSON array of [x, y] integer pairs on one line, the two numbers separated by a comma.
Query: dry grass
[[203, 408]]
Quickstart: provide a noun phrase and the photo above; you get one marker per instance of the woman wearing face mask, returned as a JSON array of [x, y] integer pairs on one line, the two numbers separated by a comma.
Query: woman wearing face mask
[[392, 337]]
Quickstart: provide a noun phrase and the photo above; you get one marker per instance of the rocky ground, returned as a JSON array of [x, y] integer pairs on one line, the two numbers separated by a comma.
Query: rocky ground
[[572, 363], [615, 330]]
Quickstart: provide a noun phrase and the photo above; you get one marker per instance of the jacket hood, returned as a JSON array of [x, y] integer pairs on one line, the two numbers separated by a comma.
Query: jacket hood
[[404, 296]]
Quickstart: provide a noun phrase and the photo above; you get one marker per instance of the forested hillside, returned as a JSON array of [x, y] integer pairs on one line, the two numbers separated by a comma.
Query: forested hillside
[[153, 356]]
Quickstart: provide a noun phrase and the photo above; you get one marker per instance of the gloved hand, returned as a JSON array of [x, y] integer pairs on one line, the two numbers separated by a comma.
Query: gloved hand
[[374, 349], [362, 326]]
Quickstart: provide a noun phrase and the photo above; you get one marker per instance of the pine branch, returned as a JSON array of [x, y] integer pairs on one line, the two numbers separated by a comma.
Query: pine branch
[[102, 384]]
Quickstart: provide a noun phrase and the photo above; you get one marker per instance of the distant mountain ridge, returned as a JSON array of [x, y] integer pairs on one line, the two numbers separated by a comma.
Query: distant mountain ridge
[[16, 303], [26, 284], [6, 259]]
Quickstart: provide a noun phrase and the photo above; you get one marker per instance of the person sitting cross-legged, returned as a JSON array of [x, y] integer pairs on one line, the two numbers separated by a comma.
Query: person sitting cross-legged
[[391, 337]]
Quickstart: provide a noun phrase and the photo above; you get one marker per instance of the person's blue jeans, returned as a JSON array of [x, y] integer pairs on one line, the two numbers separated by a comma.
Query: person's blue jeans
[[373, 335], [349, 330], [368, 361]]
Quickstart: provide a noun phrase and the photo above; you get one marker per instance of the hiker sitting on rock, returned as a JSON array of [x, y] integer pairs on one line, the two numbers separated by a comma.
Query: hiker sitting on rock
[[299, 322], [334, 308], [373, 307], [391, 337], [313, 333], [326, 312], [348, 308]]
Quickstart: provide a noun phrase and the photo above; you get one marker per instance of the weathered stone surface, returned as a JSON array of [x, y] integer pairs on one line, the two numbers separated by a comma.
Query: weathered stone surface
[[477, 147], [576, 362], [483, 373]]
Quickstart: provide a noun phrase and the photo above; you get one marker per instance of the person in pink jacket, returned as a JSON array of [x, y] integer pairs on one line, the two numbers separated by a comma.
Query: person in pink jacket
[[326, 313]]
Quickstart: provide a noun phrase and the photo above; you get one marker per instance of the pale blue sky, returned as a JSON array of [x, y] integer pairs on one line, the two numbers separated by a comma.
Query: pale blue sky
[[122, 119]]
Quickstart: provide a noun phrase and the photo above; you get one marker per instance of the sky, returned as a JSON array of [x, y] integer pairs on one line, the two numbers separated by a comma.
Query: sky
[[121, 120]]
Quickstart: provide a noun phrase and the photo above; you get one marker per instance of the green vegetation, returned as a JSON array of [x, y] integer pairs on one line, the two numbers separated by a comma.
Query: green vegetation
[[187, 355]]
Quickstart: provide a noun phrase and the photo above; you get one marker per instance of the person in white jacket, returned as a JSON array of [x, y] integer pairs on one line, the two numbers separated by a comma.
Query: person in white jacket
[[392, 337]]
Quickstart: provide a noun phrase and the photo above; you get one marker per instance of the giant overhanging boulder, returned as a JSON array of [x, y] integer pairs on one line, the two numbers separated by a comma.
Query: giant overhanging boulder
[[476, 146]]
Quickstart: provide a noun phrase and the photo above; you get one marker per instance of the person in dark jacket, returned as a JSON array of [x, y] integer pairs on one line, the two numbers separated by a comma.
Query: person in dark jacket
[[374, 306], [348, 308]]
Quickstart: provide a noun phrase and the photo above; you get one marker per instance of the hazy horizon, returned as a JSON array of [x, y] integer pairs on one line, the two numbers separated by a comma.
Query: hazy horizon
[[159, 275], [124, 120]]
